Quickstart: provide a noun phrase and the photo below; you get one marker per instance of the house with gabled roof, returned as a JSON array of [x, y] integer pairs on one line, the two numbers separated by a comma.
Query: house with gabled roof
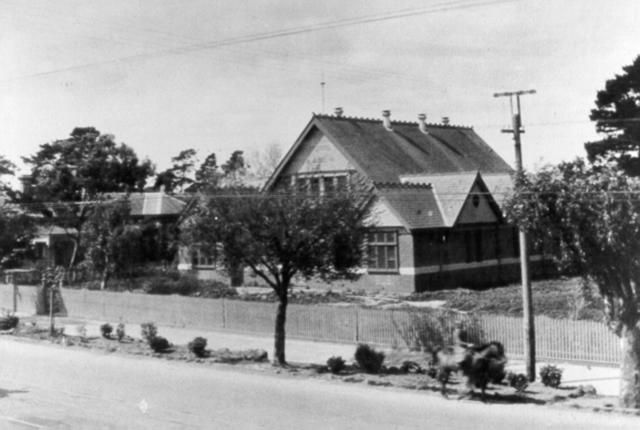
[[53, 245], [436, 218]]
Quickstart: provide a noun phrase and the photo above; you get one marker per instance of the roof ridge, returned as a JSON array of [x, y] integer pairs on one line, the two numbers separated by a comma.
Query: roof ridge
[[393, 121], [406, 185]]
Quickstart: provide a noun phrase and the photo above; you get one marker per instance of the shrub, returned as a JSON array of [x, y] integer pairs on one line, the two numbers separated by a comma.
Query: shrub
[[518, 381], [159, 344], [106, 329], [411, 367], [8, 321], [197, 346], [369, 359], [551, 376], [120, 332], [148, 331], [426, 329], [336, 364]]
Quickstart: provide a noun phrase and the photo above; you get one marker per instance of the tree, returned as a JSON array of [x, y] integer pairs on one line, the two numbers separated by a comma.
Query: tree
[[81, 168], [263, 163], [178, 176], [16, 229], [207, 175], [112, 239], [6, 168], [234, 171], [589, 218], [617, 115], [281, 236]]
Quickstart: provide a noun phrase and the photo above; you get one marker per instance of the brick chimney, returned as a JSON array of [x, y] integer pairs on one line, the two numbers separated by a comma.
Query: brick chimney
[[445, 120], [26, 182], [422, 123], [338, 112], [386, 119]]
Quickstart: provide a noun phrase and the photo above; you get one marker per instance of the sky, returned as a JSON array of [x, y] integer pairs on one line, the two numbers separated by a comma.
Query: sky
[[219, 76]]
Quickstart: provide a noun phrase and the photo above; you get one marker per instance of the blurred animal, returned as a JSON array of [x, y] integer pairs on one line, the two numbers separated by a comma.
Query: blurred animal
[[479, 364]]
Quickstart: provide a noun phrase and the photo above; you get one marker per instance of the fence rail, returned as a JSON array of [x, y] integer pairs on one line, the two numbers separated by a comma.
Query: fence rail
[[555, 339]]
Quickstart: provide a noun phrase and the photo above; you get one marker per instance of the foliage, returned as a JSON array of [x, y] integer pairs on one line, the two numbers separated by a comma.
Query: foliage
[[187, 285], [369, 359], [112, 240], [51, 280], [427, 329], [518, 381], [279, 236], [589, 219], [120, 333], [8, 321], [616, 115], [551, 376], [336, 364], [207, 175], [159, 344], [16, 230], [179, 175], [80, 169], [148, 331], [106, 329], [198, 347]]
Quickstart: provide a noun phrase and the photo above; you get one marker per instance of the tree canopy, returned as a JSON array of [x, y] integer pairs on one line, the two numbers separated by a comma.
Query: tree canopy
[[85, 164], [617, 116], [281, 236], [68, 174], [589, 218]]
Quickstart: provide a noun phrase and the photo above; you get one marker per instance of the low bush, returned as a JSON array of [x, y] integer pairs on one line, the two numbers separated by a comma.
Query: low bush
[[159, 344], [8, 321], [411, 367], [106, 329], [336, 364], [148, 331], [518, 381], [120, 333], [369, 359], [198, 347], [551, 376]]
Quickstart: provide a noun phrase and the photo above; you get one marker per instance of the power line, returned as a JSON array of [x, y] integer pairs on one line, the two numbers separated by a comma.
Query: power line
[[345, 22]]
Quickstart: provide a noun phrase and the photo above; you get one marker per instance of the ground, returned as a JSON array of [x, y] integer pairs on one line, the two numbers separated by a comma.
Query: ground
[[392, 376]]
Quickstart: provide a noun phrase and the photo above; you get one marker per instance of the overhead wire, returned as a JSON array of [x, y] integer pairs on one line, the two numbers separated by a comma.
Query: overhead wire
[[345, 22]]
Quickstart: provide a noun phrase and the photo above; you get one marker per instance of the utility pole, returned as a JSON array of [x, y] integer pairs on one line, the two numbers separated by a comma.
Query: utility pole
[[527, 303]]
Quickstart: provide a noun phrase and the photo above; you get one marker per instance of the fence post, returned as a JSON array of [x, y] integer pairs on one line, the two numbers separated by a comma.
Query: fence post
[[224, 313], [357, 326]]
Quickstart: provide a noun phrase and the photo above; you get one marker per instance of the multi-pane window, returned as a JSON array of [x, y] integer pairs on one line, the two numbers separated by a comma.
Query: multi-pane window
[[382, 251], [202, 258], [319, 184]]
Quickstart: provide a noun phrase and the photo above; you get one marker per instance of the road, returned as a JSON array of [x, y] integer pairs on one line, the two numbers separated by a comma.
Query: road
[[47, 386]]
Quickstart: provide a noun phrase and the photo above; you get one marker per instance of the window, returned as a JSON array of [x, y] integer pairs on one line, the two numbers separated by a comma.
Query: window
[[382, 251], [319, 184], [202, 258]]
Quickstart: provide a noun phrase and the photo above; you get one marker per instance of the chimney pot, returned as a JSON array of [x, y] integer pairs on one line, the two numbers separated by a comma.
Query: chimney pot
[[445, 120], [386, 119], [338, 112], [422, 123]]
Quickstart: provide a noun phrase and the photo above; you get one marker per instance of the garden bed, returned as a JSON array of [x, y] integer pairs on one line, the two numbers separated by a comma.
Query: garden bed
[[396, 372]]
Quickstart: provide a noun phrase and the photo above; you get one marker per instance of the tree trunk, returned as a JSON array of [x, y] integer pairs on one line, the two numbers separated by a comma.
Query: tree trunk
[[281, 318], [630, 367], [104, 279]]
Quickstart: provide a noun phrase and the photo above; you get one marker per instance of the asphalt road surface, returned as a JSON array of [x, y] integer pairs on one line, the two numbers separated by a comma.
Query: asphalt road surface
[[47, 386]]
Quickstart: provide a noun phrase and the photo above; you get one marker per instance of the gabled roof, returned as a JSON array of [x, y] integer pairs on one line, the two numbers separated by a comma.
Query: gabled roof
[[448, 159], [415, 204], [500, 186]]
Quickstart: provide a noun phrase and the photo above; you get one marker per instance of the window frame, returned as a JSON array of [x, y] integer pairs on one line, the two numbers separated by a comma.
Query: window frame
[[385, 245]]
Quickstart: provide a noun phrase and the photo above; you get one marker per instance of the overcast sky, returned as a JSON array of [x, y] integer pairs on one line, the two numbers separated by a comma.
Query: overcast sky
[[216, 76]]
